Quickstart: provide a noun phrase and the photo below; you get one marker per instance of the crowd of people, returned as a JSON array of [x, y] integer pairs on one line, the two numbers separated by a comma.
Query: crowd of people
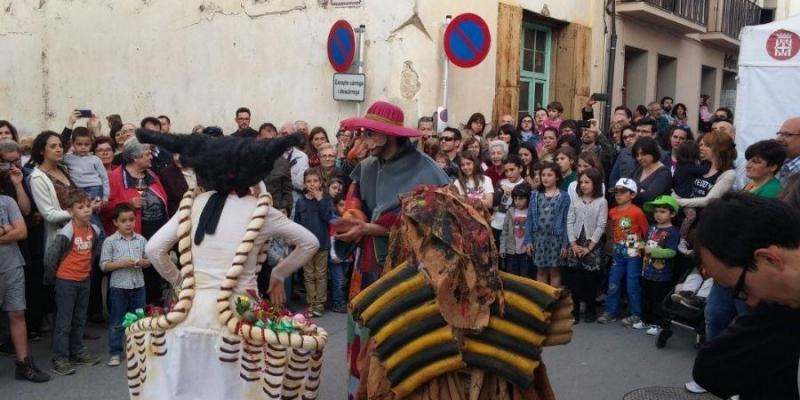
[[609, 215]]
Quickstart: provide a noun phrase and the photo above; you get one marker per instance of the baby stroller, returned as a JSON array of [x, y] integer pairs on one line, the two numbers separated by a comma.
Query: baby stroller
[[680, 313]]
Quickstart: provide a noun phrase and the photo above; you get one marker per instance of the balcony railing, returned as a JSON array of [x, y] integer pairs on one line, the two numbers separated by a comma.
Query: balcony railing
[[692, 10], [735, 14]]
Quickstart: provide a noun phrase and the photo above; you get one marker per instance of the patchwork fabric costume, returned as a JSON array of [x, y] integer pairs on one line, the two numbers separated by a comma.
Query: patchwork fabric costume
[[444, 322], [211, 344]]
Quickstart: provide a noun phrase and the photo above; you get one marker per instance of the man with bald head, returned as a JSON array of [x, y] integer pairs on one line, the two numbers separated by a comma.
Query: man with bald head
[[302, 127], [724, 126], [789, 137], [506, 119]]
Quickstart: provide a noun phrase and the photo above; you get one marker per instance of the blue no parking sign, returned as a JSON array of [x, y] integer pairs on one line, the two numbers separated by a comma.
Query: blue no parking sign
[[341, 46], [467, 40]]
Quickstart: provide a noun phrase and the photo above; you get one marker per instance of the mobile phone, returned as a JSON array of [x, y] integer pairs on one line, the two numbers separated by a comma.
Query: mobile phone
[[600, 96], [85, 113]]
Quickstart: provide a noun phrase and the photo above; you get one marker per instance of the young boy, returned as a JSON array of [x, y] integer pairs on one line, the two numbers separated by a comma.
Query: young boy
[[68, 263], [629, 226], [87, 171], [313, 212], [12, 287], [660, 248], [517, 260], [123, 256], [553, 119], [338, 264]]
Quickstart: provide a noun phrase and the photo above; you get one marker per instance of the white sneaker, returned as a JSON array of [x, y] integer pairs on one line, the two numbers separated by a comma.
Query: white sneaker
[[113, 361], [653, 330], [694, 387], [639, 325]]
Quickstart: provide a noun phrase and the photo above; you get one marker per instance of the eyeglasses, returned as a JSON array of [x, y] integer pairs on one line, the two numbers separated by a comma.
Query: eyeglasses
[[448, 138], [739, 292], [786, 134], [366, 133], [527, 121]]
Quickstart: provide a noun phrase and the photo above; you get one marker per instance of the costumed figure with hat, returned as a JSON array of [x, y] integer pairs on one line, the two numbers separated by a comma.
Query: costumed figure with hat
[[219, 339], [444, 322], [394, 167]]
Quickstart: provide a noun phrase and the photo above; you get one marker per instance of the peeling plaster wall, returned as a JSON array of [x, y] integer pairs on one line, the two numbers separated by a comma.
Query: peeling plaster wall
[[197, 61]]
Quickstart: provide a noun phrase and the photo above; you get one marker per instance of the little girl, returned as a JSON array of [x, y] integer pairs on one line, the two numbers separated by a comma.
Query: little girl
[[687, 169], [546, 227], [566, 160], [586, 224], [471, 182], [517, 259]]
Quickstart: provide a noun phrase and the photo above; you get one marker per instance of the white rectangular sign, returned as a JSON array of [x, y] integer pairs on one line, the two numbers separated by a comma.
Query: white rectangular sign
[[349, 87]]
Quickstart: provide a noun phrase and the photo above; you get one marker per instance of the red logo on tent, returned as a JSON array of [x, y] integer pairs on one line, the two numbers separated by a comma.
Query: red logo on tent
[[783, 44]]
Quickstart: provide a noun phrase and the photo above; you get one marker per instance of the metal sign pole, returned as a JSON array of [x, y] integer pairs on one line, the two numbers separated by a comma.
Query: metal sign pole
[[360, 32], [446, 68]]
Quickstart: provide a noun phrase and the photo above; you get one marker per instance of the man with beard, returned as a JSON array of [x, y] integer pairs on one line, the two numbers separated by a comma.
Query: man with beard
[[393, 167]]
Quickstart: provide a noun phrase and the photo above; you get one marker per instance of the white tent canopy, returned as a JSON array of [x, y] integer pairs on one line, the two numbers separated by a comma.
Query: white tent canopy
[[769, 82]]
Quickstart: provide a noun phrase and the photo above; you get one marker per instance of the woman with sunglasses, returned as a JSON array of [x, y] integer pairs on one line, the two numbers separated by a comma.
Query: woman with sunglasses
[[626, 162]]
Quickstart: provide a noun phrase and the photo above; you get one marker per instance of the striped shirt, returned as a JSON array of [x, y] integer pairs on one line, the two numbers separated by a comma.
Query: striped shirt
[[116, 248], [789, 168]]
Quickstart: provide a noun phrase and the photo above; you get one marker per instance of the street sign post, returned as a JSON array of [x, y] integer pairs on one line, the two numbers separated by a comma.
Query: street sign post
[[467, 40], [341, 46]]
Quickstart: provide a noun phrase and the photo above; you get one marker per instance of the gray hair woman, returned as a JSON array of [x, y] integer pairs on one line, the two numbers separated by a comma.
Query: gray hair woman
[[137, 184], [498, 151]]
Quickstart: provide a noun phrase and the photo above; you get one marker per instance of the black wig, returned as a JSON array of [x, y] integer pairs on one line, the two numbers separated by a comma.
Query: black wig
[[224, 164]]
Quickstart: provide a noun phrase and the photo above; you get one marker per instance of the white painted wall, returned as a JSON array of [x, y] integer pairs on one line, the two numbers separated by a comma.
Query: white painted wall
[[197, 61]]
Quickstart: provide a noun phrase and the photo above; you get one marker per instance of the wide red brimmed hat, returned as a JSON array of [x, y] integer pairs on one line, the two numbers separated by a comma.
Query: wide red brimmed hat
[[382, 117]]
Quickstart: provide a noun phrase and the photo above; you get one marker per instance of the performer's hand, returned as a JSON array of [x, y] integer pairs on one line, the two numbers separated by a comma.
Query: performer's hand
[[353, 234], [277, 295]]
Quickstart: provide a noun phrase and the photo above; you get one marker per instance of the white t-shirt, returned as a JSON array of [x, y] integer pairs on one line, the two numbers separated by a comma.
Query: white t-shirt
[[476, 193], [499, 216]]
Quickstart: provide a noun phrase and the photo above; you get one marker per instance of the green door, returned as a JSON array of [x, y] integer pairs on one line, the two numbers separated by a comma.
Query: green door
[[534, 82]]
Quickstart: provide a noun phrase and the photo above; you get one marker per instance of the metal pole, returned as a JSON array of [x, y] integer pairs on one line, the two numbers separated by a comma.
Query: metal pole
[[360, 31], [612, 53], [446, 68]]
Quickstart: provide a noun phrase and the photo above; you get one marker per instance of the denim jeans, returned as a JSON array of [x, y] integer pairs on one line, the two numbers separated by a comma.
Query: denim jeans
[[520, 265], [630, 269], [122, 301], [720, 310], [338, 279], [72, 303]]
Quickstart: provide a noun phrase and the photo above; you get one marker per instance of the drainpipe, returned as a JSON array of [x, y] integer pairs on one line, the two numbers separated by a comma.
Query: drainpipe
[[360, 32], [612, 52]]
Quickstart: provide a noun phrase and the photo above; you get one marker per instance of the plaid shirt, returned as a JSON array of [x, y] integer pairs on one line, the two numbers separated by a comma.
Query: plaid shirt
[[790, 167], [116, 248]]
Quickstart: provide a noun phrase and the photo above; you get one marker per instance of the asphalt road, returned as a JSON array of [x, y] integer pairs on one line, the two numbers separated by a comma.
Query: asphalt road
[[603, 362]]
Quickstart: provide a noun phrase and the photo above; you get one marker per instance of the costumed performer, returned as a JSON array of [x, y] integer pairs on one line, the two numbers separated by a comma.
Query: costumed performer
[[207, 346], [394, 167]]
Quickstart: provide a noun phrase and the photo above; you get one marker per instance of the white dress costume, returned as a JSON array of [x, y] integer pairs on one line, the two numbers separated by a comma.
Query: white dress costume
[[191, 353]]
